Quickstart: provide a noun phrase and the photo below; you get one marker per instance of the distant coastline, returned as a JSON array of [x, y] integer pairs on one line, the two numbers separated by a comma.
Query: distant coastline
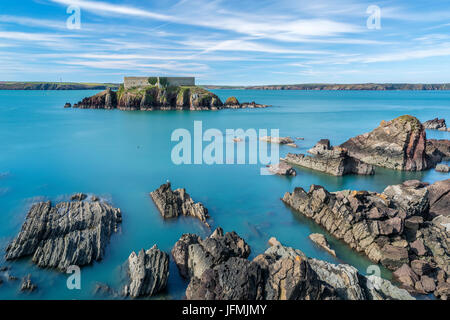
[[13, 85], [328, 86]]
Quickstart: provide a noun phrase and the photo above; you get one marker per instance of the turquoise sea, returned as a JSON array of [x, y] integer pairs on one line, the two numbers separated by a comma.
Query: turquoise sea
[[48, 152]]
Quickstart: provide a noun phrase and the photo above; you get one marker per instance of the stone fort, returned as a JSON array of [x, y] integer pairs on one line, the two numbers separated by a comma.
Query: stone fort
[[133, 82]]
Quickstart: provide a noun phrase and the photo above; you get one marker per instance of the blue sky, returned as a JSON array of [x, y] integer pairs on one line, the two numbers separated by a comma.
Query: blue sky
[[226, 41]]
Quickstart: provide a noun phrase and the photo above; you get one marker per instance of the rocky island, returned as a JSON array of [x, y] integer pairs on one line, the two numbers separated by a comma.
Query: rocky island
[[155, 94], [436, 124], [405, 228]]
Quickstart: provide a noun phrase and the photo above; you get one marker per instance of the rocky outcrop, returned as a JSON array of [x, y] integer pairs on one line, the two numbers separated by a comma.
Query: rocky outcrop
[[148, 273], [282, 169], [332, 160], [65, 234], [394, 228], [397, 144], [322, 242], [161, 98], [438, 150], [68, 105], [436, 124], [218, 269], [442, 168], [27, 285], [439, 197], [279, 140], [174, 203]]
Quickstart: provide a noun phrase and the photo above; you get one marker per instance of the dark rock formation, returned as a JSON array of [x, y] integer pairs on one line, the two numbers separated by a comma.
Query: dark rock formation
[[160, 98], [439, 197], [68, 105], [393, 228], [174, 203], [78, 197], [331, 160], [438, 150], [322, 242], [148, 273], [218, 269], [397, 144], [436, 124], [69, 233], [282, 169], [27, 285]]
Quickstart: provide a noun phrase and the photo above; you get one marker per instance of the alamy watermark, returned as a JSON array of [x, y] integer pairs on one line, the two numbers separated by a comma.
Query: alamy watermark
[[214, 147], [374, 19], [74, 280], [74, 20]]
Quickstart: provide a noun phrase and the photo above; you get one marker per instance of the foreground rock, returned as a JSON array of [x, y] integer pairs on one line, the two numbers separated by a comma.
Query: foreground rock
[[397, 228], [332, 160], [436, 124], [161, 98], [148, 273], [218, 269], [68, 233], [397, 144], [174, 203], [282, 169], [322, 242]]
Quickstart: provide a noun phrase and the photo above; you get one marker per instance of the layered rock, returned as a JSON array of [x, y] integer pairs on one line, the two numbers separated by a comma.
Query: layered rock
[[174, 203], [148, 272], [65, 234], [394, 228], [332, 160], [397, 144], [436, 124], [160, 98], [438, 150], [322, 242], [439, 197], [218, 269]]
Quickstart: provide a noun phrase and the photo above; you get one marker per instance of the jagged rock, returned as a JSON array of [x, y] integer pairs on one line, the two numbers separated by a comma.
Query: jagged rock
[[282, 169], [436, 124], [27, 285], [438, 150], [78, 197], [397, 144], [278, 140], [393, 228], [148, 273], [321, 241], [69, 233], [102, 289], [173, 203], [331, 160], [68, 105], [442, 168], [387, 290], [439, 198], [193, 255]]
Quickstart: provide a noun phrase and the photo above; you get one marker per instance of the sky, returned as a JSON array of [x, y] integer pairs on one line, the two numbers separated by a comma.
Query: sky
[[226, 42]]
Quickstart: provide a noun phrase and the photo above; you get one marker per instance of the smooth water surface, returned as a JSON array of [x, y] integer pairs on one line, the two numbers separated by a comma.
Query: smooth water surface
[[48, 152]]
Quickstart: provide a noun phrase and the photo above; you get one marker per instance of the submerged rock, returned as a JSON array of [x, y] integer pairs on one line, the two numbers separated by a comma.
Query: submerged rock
[[321, 241], [148, 273], [174, 203], [397, 144], [68, 233], [393, 228], [436, 124], [331, 160]]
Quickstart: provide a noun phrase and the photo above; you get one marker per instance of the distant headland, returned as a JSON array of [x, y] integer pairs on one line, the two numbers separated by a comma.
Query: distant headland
[[26, 85], [332, 86]]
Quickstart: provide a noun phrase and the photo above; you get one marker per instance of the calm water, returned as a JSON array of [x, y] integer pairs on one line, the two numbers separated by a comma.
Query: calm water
[[48, 152]]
